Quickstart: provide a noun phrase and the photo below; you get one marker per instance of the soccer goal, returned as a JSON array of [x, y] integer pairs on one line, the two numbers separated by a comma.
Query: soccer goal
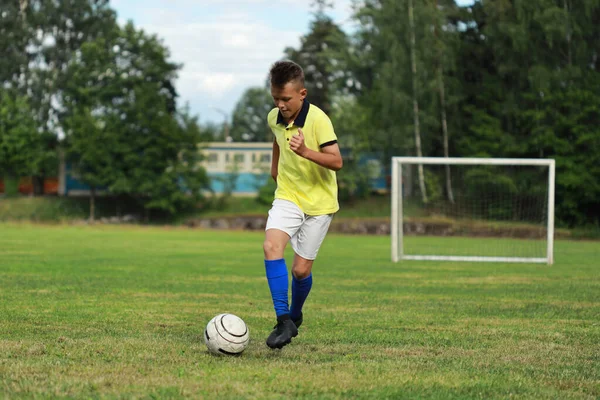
[[472, 209]]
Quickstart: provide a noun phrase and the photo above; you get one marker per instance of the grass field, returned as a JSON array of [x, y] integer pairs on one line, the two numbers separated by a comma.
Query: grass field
[[465, 246], [118, 312]]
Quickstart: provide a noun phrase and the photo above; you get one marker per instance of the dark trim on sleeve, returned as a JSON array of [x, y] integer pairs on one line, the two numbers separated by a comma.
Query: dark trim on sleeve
[[328, 144]]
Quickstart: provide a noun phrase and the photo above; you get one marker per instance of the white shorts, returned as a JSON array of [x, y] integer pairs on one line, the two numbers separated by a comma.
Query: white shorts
[[306, 232]]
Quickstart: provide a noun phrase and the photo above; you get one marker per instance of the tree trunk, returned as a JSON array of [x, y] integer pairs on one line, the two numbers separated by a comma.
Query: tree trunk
[[118, 205], [569, 56], [38, 185], [445, 136], [92, 204], [23, 8], [442, 92], [415, 101]]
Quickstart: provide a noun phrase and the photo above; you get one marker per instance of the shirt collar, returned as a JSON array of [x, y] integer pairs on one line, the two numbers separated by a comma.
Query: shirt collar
[[300, 119]]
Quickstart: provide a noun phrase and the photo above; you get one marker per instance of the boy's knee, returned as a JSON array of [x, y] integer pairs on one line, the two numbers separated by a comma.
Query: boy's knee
[[302, 269], [273, 250], [301, 274]]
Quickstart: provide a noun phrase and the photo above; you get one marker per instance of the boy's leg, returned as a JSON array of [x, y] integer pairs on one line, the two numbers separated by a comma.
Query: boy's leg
[[285, 218], [276, 270], [301, 285], [306, 244]]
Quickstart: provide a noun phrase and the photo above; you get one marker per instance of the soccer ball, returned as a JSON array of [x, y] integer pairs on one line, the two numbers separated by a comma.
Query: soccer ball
[[226, 334]]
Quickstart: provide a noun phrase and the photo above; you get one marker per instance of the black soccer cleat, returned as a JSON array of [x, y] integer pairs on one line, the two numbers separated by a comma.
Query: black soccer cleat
[[282, 333], [298, 321]]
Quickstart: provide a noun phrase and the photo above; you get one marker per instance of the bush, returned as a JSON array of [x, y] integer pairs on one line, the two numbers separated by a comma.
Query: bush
[[42, 209], [266, 192], [480, 184]]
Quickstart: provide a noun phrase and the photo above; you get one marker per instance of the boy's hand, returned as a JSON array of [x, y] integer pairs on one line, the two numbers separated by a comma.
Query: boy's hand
[[297, 144]]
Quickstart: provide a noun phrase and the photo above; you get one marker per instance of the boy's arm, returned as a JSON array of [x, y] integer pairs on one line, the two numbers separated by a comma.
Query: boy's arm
[[275, 160], [329, 156]]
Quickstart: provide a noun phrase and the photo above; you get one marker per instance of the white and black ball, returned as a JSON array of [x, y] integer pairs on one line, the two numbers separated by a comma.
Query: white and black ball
[[226, 334]]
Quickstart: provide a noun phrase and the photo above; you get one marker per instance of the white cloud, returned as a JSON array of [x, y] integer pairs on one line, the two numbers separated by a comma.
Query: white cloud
[[232, 53], [224, 48]]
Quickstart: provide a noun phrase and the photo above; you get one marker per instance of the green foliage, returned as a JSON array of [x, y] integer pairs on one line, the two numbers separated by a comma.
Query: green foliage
[[22, 146], [320, 54], [14, 36], [42, 209], [479, 184], [249, 118], [122, 132], [353, 180], [529, 90], [209, 131], [486, 137], [266, 192], [380, 65], [520, 78], [38, 38], [351, 123], [433, 185], [566, 125], [11, 185]]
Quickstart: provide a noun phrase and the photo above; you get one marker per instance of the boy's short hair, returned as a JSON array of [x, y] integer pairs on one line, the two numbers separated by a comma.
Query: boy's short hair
[[283, 72]]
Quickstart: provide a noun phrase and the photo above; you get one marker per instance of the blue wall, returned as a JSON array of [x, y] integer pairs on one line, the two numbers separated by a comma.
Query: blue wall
[[246, 182]]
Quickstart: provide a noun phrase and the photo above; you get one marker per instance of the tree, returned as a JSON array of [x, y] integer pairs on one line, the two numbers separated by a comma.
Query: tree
[[380, 66], [566, 126], [14, 37], [320, 55], [119, 87], [209, 131], [439, 66], [21, 147], [413, 62], [394, 71], [47, 35], [249, 120], [90, 150]]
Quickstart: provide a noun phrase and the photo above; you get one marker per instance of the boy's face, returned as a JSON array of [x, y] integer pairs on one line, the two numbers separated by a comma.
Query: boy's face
[[288, 99]]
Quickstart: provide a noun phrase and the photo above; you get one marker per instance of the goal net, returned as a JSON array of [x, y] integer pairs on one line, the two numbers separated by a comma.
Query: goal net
[[472, 209]]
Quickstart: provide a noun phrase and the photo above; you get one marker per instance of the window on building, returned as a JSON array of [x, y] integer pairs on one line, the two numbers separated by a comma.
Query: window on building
[[213, 158], [238, 158], [265, 158]]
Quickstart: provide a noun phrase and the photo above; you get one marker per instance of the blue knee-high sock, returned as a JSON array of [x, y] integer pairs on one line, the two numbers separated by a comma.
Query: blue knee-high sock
[[277, 277], [300, 290]]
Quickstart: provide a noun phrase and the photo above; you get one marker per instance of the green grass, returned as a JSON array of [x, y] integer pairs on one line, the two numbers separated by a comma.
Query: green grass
[[42, 209], [464, 246], [55, 209], [118, 312]]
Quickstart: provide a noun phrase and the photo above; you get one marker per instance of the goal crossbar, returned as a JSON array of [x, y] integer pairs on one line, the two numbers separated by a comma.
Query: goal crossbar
[[473, 161], [397, 205]]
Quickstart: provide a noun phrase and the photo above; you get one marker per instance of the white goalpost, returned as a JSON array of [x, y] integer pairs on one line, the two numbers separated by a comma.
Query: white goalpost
[[473, 209]]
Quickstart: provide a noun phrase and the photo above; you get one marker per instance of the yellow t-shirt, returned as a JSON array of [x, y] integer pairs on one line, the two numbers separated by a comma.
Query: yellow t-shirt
[[311, 187]]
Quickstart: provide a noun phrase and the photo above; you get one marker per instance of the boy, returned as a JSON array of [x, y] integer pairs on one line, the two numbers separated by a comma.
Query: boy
[[305, 158]]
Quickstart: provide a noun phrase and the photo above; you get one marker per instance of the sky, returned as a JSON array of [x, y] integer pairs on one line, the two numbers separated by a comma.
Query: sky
[[225, 46]]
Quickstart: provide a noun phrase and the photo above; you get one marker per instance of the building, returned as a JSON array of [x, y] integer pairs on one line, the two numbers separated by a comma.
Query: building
[[238, 168]]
